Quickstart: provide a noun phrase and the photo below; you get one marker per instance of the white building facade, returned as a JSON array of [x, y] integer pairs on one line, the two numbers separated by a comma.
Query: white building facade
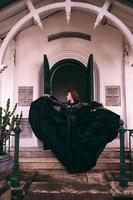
[[22, 80]]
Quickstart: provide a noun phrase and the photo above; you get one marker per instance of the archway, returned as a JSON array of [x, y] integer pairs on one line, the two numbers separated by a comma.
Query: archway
[[66, 75], [63, 5]]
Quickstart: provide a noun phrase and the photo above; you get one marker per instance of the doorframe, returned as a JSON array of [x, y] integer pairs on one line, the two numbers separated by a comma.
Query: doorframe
[[96, 75], [68, 61], [56, 66]]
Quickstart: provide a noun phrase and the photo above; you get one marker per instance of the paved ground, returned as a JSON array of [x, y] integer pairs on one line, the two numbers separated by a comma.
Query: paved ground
[[94, 185], [85, 186]]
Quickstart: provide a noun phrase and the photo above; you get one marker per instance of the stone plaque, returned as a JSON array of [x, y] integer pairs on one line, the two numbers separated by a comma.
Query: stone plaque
[[113, 96], [25, 95], [26, 131]]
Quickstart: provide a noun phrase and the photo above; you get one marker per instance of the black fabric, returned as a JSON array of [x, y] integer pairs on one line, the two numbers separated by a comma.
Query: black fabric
[[76, 133]]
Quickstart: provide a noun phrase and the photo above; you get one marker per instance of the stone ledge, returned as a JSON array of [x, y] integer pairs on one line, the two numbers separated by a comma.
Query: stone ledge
[[121, 192]]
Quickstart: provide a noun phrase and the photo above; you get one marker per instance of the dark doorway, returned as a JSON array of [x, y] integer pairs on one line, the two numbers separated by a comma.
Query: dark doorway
[[67, 75]]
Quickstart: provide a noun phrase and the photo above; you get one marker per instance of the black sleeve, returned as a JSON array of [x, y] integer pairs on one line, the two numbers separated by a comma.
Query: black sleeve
[[55, 102]]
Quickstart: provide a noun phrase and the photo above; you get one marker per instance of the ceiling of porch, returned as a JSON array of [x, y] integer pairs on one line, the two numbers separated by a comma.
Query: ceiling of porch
[[4, 3], [12, 11]]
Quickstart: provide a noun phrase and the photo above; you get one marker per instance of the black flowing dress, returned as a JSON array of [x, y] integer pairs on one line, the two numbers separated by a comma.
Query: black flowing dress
[[75, 133]]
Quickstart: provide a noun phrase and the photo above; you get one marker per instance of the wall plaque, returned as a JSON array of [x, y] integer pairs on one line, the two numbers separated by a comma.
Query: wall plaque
[[26, 131], [113, 96], [25, 95]]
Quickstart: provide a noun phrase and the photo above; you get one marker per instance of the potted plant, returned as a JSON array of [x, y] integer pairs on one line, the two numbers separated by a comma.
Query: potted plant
[[8, 121]]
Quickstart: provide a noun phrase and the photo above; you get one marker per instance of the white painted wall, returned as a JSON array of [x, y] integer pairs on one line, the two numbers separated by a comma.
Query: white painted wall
[[28, 63], [129, 88], [31, 44], [7, 77]]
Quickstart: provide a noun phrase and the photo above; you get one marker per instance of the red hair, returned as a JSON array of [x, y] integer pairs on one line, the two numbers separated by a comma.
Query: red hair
[[74, 95]]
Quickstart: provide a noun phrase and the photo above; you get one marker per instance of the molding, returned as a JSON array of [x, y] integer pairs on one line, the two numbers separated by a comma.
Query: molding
[[68, 10], [81, 55], [34, 13], [69, 34], [77, 53], [101, 14]]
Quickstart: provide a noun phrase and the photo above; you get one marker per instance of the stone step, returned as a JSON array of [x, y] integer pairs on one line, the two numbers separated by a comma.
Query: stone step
[[40, 153], [54, 164], [80, 186], [84, 186]]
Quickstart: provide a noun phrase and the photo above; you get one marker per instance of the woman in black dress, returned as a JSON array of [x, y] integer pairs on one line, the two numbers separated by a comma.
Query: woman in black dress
[[75, 131]]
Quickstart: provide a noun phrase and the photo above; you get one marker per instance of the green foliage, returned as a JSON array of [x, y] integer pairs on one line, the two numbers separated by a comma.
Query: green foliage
[[8, 121]]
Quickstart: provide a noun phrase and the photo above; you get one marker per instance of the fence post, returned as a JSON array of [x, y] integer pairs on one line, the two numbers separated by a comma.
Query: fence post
[[15, 177], [122, 179]]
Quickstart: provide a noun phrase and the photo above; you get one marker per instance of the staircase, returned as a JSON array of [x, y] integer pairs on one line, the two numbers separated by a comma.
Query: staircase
[[50, 181], [36, 159]]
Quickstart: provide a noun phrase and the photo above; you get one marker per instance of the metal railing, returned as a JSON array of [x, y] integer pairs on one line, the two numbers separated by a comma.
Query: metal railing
[[123, 181], [15, 179]]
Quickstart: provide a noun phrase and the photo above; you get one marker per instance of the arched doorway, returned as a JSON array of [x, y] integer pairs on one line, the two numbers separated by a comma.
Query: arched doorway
[[66, 75]]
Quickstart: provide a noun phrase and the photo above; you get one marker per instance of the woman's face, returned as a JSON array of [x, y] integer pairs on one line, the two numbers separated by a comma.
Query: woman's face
[[69, 97]]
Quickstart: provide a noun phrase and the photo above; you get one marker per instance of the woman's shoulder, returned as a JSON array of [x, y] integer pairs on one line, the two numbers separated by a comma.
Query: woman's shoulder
[[81, 104]]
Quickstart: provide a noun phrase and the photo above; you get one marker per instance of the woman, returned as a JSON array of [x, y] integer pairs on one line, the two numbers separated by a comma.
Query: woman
[[73, 97], [77, 132]]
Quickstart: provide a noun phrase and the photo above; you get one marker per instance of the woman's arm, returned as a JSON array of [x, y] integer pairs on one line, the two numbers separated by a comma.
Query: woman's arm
[[54, 100]]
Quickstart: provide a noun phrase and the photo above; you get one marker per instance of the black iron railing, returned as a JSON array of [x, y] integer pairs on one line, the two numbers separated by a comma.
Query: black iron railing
[[123, 181], [15, 174]]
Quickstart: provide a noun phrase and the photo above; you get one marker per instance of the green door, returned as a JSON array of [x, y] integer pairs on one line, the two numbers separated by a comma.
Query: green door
[[46, 74], [89, 80]]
